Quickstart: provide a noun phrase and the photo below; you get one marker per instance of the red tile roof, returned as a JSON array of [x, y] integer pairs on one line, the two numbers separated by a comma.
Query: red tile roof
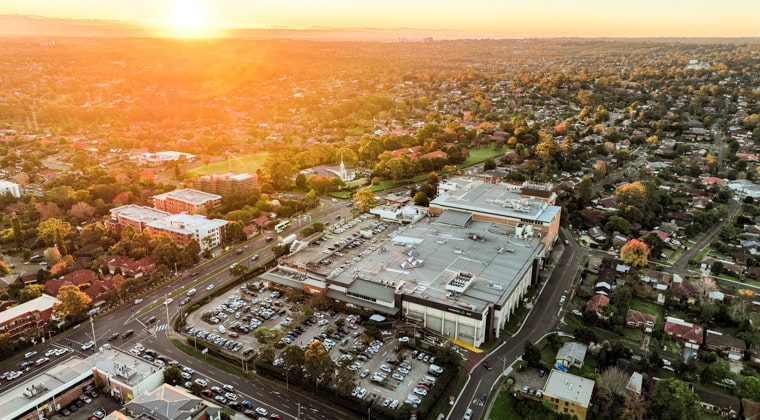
[[595, 302]]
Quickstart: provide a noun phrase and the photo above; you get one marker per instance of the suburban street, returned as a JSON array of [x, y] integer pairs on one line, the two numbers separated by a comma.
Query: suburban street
[[542, 319]]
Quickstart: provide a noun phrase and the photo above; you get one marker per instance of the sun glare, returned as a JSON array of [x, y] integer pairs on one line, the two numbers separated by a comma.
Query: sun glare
[[189, 18]]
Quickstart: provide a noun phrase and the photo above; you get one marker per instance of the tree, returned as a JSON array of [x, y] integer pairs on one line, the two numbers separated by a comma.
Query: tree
[[234, 232], [611, 390], [292, 360], [172, 375], [29, 292], [750, 388], [532, 355], [53, 229], [82, 211], [266, 354], [364, 199], [319, 366], [672, 400], [421, 199], [73, 304], [52, 256], [18, 233], [617, 224], [635, 253]]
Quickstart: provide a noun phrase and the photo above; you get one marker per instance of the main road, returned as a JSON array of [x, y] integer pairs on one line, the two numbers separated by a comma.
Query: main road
[[261, 393]]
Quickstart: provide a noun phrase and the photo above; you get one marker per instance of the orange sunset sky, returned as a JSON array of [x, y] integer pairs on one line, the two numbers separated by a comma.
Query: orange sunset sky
[[535, 18]]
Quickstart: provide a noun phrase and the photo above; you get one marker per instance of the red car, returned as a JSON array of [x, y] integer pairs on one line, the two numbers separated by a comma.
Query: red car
[[207, 392], [275, 416]]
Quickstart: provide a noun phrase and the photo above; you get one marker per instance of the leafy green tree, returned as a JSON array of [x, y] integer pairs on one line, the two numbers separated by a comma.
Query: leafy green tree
[[234, 232], [421, 199], [750, 388], [18, 232], [617, 224], [172, 375], [318, 363], [265, 354], [532, 355], [672, 400]]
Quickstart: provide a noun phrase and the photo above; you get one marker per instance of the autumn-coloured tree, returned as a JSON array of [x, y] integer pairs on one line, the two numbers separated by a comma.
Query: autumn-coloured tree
[[53, 229], [47, 210], [73, 303], [82, 211], [635, 253], [364, 199]]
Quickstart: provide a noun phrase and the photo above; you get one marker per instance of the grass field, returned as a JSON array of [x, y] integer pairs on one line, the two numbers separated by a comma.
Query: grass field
[[481, 154], [239, 165]]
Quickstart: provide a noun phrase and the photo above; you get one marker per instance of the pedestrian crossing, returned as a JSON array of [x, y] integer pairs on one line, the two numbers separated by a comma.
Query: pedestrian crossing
[[160, 327]]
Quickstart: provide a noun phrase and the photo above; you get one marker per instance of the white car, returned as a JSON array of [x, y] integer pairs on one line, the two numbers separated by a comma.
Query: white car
[[61, 351], [231, 396], [88, 345], [420, 391], [138, 301], [201, 382], [210, 287], [261, 411], [168, 301], [411, 398], [50, 352]]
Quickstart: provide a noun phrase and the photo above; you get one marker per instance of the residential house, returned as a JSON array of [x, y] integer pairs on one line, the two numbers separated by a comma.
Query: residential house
[[129, 267], [718, 403], [568, 394], [635, 383], [658, 280], [640, 320], [595, 302], [572, 354], [689, 335], [75, 278], [725, 344], [684, 290]]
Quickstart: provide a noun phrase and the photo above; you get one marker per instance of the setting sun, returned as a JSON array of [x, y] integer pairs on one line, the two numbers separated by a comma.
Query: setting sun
[[188, 14]]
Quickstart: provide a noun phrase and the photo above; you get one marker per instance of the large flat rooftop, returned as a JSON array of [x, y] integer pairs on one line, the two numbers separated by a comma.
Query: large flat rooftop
[[189, 195], [502, 200], [422, 259]]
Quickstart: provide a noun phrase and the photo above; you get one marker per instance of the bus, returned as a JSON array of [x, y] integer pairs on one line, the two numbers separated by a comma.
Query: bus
[[281, 226]]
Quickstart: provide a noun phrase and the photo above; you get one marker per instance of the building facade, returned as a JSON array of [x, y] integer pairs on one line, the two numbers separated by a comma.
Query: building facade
[[186, 201], [226, 184], [209, 233], [31, 315]]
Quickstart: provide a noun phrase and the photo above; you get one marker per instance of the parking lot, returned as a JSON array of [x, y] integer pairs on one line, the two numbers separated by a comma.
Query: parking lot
[[386, 372], [94, 406]]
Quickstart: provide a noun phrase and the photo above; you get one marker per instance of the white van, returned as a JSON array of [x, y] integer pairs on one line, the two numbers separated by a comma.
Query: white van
[[221, 329]]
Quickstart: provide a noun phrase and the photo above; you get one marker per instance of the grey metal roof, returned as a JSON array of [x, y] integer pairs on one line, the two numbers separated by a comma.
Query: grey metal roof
[[455, 217]]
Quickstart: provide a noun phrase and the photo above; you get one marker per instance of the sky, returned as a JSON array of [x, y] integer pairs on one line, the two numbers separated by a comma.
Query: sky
[[510, 18]]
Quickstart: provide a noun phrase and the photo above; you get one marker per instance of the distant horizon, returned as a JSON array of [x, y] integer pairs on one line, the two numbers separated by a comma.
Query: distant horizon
[[100, 27], [504, 19]]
